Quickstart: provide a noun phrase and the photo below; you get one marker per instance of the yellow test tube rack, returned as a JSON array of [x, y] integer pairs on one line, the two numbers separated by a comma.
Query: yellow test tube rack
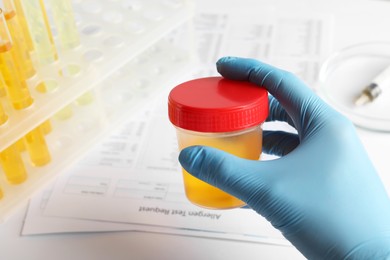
[[70, 72]]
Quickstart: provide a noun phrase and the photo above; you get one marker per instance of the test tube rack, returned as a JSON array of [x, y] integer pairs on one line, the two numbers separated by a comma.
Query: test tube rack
[[123, 61]]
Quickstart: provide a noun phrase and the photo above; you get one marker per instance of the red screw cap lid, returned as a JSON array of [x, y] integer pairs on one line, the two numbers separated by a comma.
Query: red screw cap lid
[[216, 104]]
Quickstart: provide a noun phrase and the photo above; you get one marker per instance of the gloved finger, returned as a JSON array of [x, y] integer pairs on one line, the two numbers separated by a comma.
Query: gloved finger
[[303, 106], [279, 143], [232, 174], [277, 112]]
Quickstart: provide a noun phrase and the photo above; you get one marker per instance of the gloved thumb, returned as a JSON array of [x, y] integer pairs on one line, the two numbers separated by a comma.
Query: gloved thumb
[[236, 176]]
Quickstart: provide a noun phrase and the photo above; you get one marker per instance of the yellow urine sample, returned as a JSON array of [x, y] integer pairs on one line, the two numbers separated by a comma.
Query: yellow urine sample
[[3, 115], [37, 148], [20, 145], [1, 193], [17, 88], [13, 165], [22, 55], [3, 93], [245, 144]]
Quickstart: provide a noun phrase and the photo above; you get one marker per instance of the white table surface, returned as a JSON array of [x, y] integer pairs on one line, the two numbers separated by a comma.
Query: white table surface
[[355, 21]]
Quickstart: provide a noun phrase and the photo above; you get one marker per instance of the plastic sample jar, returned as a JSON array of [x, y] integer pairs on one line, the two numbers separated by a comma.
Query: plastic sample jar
[[221, 113]]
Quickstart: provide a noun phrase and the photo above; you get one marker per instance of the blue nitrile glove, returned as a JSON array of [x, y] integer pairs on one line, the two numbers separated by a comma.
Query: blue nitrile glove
[[323, 194]]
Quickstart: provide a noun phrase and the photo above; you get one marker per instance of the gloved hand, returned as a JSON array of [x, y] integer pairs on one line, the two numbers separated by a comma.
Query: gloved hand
[[323, 194]]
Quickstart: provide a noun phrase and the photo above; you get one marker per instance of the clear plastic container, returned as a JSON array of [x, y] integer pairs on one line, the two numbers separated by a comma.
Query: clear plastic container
[[223, 114]]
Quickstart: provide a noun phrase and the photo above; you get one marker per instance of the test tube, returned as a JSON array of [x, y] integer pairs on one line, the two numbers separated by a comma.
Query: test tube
[[16, 86], [37, 148], [22, 20], [18, 39], [20, 145], [65, 23], [3, 115], [38, 25], [13, 165], [3, 93]]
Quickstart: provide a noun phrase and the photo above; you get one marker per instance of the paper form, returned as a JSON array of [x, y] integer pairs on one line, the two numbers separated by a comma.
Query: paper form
[[296, 42]]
